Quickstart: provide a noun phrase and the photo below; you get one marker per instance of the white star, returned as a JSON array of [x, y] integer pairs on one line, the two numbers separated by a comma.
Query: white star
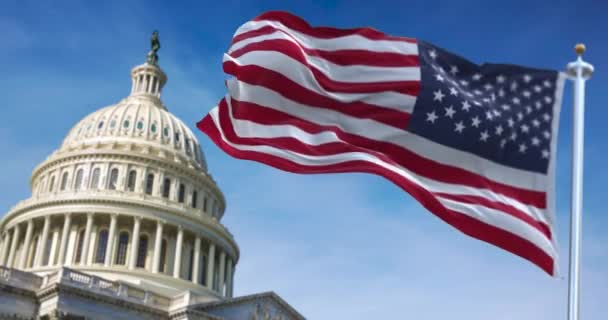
[[516, 100], [465, 105], [499, 130], [453, 70], [484, 136], [464, 82], [488, 86], [493, 97], [476, 121], [506, 107], [538, 105], [547, 99], [528, 109], [500, 79], [453, 91], [477, 77], [513, 136], [503, 142], [537, 88], [431, 117], [524, 128], [433, 54], [496, 112], [439, 77], [459, 127], [527, 78], [545, 154], [546, 134], [511, 122], [535, 141], [501, 92], [520, 115], [477, 92], [535, 123], [546, 117], [438, 95], [449, 112], [514, 85], [522, 148], [489, 115], [526, 93], [547, 84]]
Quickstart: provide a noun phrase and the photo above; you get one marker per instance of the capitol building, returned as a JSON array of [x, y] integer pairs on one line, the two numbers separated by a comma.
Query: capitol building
[[124, 222]]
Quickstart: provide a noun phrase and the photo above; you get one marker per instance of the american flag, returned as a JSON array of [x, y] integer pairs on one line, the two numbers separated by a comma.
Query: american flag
[[474, 144]]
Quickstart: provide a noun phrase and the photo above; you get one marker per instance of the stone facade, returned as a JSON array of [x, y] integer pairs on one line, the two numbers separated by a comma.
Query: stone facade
[[124, 222]]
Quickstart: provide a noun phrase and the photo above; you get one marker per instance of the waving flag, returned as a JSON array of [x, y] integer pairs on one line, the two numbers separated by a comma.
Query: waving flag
[[474, 144]]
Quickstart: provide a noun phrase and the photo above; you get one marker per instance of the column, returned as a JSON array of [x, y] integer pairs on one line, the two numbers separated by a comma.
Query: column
[[39, 254], [197, 260], [157, 246], [26, 244], [228, 278], [84, 257], [110, 243], [221, 272], [54, 246], [11, 255], [134, 243], [210, 266], [64, 239], [5, 248], [178, 252]]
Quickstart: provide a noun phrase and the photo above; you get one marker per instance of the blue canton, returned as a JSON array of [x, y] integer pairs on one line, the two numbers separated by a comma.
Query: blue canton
[[503, 113]]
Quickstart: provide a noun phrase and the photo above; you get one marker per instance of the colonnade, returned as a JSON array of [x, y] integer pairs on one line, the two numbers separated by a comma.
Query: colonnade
[[61, 240]]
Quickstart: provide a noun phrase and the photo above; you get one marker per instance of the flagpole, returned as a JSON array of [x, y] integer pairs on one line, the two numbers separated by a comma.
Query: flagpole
[[579, 71]]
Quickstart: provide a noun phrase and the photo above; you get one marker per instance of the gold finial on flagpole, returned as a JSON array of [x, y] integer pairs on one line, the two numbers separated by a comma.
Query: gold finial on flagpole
[[580, 49]]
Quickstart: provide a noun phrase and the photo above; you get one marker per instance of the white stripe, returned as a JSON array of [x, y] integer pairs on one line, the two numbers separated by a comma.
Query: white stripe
[[348, 73], [351, 42], [301, 75], [503, 221], [377, 131], [250, 129], [487, 215]]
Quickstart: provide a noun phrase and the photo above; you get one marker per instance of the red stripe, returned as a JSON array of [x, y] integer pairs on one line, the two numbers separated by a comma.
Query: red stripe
[[404, 157], [462, 222], [279, 83], [339, 57], [293, 144], [409, 87], [296, 23]]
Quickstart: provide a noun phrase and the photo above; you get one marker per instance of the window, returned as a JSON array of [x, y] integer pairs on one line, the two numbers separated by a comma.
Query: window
[[64, 181], [188, 151], [190, 264], [132, 179], [142, 252], [194, 199], [140, 125], [149, 183], [121, 252], [181, 193], [205, 203], [126, 124], [113, 179], [102, 243], [202, 270], [100, 125], [153, 128], [163, 253], [47, 251], [166, 187], [79, 242], [52, 184], [78, 180], [95, 179]]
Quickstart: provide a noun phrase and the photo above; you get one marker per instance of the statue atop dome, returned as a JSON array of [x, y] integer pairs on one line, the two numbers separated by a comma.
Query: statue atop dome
[[154, 46]]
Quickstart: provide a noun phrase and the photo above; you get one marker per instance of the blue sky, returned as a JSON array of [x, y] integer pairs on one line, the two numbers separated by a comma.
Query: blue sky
[[347, 246]]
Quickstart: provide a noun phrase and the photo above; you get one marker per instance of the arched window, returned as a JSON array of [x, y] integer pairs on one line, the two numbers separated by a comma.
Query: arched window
[[95, 179], [102, 243], [131, 180], [166, 187], [121, 252], [79, 245], [182, 192], [149, 183], [64, 181], [163, 254], [142, 252], [78, 180], [113, 184], [52, 184], [194, 199]]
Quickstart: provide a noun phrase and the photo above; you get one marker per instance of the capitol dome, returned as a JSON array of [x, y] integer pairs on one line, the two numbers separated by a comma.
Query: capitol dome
[[126, 197]]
